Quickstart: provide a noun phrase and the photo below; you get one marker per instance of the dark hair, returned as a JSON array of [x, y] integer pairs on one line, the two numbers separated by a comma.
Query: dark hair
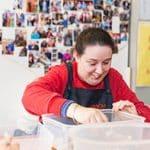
[[92, 36]]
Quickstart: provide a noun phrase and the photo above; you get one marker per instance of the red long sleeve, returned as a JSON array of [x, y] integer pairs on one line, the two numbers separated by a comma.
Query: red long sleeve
[[44, 95], [121, 91]]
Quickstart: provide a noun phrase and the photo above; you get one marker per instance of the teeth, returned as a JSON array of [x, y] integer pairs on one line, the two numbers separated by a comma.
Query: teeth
[[97, 77]]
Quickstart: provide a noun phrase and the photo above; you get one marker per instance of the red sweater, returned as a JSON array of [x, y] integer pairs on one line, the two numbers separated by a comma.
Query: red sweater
[[45, 95]]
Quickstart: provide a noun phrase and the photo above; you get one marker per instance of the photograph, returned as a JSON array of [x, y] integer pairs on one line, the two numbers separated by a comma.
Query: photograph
[[20, 37], [56, 6], [44, 6], [18, 5], [34, 59], [8, 19], [45, 19], [57, 18], [99, 4], [23, 51], [85, 16], [8, 47], [70, 5], [68, 38], [38, 33], [33, 45], [20, 20], [31, 6], [32, 19]]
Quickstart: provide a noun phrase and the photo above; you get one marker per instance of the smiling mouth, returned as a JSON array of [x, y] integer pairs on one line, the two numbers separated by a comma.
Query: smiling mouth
[[99, 77], [96, 78]]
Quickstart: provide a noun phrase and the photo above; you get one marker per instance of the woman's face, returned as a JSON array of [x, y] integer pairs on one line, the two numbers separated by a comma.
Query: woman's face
[[94, 63]]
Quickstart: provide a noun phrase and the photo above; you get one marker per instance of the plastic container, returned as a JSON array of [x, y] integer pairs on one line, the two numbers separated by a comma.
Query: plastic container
[[58, 127], [25, 142], [133, 136]]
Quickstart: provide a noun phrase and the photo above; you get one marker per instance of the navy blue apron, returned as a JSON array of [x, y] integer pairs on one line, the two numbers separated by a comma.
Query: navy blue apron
[[97, 98]]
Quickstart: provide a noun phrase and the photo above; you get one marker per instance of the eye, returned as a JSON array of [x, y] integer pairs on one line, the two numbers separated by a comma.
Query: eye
[[106, 63], [92, 64]]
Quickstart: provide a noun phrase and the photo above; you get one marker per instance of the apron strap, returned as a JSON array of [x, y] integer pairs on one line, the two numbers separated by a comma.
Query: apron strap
[[68, 90], [108, 92]]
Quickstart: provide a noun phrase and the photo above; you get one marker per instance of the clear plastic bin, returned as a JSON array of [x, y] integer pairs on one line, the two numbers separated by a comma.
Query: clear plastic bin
[[26, 142], [58, 127], [133, 136]]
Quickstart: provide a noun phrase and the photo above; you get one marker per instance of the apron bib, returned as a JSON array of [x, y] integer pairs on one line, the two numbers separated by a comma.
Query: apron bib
[[97, 98]]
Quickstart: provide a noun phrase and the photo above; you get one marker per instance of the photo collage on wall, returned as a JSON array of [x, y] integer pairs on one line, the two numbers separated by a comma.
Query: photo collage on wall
[[45, 31]]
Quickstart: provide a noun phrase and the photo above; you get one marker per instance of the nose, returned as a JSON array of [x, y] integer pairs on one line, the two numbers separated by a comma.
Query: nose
[[99, 69]]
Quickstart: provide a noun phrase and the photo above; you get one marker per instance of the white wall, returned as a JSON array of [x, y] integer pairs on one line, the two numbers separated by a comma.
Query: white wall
[[120, 62], [14, 77]]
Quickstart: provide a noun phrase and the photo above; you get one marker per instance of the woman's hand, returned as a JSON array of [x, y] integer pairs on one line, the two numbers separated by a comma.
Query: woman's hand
[[125, 105], [86, 115]]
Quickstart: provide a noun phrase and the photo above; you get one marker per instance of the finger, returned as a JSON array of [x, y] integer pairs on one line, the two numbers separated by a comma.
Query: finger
[[128, 106], [128, 103], [92, 119], [121, 104], [103, 117], [124, 104], [116, 106], [127, 109], [98, 117], [130, 109]]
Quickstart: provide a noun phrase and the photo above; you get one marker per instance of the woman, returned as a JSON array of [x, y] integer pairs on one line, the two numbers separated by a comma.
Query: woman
[[79, 90]]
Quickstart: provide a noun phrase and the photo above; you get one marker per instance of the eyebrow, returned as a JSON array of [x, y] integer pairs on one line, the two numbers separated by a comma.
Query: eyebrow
[[92, 59], [108, 59]]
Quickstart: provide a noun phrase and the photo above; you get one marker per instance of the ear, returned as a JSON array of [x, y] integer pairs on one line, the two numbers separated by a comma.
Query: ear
[[76, 55]]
